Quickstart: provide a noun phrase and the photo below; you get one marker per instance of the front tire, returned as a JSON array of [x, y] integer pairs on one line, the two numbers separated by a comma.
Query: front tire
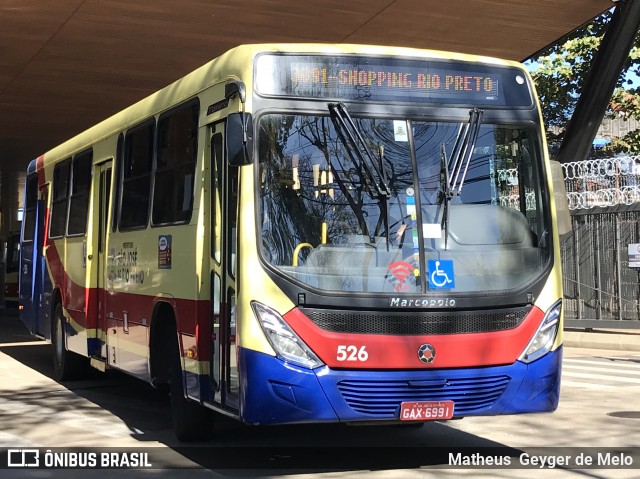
[[66, 364]]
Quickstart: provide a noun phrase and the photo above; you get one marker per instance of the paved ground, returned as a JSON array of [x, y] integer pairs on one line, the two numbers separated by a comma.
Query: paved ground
[[598, 409]]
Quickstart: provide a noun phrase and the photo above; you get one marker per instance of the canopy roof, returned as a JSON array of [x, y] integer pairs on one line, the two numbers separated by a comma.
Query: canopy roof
[[68, 64]]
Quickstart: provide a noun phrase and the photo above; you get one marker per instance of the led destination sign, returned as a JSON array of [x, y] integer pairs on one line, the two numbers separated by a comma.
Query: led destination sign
[[440, 81], [391, 79]]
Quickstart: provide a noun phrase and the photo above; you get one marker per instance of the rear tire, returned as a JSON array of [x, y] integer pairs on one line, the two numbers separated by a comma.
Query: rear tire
[[66, 364], [191, 421]]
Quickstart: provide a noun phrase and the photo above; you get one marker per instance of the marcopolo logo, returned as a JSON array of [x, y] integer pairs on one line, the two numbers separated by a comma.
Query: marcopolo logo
[[408, 302]]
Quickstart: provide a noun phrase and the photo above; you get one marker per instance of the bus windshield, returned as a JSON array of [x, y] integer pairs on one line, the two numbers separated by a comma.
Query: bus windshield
[[371, 215]]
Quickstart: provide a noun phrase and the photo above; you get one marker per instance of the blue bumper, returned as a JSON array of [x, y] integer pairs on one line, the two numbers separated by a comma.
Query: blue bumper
[[275, 392]]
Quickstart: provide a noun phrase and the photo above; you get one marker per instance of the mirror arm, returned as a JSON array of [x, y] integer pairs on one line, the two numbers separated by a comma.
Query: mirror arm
[[231, 89]]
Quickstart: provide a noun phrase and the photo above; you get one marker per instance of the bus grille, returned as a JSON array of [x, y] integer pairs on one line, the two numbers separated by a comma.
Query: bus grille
[[382, 399], [416, 323]]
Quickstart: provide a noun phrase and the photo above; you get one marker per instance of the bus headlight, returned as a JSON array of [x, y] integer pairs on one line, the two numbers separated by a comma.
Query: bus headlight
[[287, 344], [545, 336]]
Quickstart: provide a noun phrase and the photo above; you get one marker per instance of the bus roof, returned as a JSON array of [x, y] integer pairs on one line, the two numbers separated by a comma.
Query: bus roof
[[234, 64]]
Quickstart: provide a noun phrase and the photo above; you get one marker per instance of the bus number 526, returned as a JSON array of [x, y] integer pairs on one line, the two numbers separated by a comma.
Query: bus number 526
[[352, 353]]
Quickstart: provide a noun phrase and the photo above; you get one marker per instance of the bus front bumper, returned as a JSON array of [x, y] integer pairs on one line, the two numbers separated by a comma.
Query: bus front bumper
[[276, 392]]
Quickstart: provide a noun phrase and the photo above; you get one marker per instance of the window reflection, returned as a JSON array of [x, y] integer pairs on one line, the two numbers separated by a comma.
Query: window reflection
[[312, 193]]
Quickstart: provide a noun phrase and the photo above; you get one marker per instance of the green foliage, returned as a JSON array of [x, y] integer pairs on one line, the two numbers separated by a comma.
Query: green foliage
[[559, 72]]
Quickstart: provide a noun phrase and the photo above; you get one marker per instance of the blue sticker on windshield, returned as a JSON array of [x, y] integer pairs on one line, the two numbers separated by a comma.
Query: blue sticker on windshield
[[441, 274]]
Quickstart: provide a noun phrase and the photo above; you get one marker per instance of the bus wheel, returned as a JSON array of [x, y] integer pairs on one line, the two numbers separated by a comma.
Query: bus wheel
[[191, 421], [66, 364]]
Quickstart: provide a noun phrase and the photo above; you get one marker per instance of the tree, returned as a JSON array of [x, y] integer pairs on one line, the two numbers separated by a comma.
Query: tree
[[559, 72]]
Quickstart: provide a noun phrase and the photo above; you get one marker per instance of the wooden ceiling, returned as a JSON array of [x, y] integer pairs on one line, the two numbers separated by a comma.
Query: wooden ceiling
[[67, 64]]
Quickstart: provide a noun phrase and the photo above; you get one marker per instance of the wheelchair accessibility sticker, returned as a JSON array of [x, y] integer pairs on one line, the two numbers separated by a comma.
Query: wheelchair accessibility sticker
[[441, 274]]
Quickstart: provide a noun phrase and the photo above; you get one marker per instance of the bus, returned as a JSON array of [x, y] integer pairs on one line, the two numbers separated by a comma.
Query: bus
[[308, 233]]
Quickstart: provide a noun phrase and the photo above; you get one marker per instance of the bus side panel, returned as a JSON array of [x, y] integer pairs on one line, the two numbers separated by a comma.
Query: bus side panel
[[129, 348], [66, 264], [195, 335], [76, 293], [34, 282], [27, 286]]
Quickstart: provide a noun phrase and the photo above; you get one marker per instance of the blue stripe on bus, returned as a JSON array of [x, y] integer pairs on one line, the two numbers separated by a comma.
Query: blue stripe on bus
[[277, 392]]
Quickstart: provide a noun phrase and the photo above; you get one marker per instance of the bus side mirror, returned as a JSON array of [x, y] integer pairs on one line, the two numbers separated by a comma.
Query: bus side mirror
[[560, 195], [239, 139]]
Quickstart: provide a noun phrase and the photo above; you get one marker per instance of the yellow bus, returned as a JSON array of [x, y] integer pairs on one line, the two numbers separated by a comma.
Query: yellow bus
[[308, 233]]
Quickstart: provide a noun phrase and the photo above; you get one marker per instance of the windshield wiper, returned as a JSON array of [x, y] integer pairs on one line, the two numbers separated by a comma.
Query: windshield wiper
[[363, 162], [453, 171], [358, 151]]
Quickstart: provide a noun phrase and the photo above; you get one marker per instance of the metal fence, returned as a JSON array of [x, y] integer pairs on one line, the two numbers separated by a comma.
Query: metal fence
[[601, 289]]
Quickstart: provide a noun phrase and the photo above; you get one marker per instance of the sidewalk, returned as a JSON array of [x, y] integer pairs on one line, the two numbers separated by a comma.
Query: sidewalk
[[618, 339]]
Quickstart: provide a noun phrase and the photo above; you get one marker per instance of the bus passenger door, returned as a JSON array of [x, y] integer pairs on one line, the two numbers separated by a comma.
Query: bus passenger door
[[223, 218], [99, 258]]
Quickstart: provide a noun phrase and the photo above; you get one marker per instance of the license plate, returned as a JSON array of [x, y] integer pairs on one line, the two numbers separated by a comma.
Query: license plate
[[426, 410]]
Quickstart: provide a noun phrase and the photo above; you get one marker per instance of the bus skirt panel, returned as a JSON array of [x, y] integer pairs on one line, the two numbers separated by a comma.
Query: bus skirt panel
[[276, 392]]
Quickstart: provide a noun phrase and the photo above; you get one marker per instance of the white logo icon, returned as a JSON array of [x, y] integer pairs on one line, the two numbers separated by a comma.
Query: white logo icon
[[23, 458]]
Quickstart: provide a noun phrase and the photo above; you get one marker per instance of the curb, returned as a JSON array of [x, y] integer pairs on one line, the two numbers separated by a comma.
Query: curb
[[617, 341]]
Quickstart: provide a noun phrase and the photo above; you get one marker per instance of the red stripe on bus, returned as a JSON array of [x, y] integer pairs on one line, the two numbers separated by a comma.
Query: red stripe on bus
[[342, 350], [77, 298]]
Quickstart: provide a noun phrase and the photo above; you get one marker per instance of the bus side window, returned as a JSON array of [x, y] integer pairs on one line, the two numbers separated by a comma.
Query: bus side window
[[118, 180], [216, 194], [232, 212], [79, 199], [31, 200], [58, 218], [136, 176], [177, 146]]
